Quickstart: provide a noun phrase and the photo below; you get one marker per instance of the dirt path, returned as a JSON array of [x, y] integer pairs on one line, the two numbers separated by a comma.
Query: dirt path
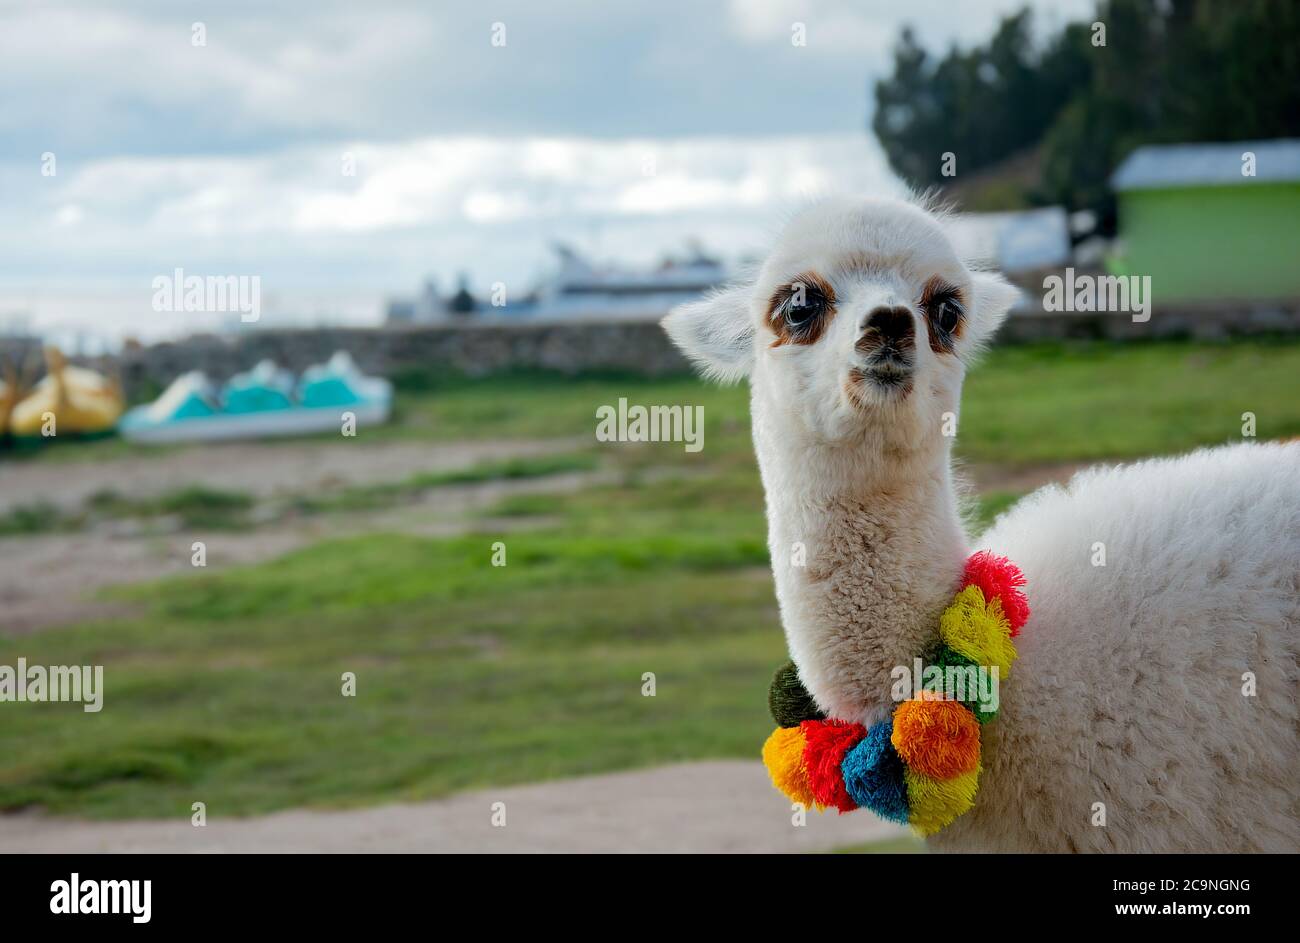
[[261, 469], [1021, 478], [716, 806]]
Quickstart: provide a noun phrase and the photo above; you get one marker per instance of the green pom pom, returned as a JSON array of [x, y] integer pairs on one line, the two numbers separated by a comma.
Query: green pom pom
[[944, 657], [789, 700]]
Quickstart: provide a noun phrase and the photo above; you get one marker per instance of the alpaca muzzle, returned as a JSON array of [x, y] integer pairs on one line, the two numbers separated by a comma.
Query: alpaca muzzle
[[888, 344]]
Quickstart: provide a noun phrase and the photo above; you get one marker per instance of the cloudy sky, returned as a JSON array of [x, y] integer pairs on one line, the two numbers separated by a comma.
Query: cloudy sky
[[625, 128]]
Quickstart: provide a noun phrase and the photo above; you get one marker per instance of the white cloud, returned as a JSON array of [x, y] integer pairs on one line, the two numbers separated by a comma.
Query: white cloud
[[101, 79], [70, 214], [868, 28], [459, 180], [828, 26], [261, 66], [488, 206]]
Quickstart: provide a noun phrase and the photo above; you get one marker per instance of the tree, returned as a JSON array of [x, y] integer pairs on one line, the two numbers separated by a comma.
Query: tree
[[1170, 70], [983, 105]]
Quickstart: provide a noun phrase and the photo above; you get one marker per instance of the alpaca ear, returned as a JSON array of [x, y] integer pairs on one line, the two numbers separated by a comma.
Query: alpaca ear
[[993, 298], [715, 333]]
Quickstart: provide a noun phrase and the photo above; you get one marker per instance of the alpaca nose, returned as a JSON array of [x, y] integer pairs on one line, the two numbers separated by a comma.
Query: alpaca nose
[[893, 324]]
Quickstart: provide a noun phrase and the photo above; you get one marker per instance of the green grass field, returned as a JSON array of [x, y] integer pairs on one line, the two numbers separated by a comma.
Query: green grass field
[[1038, 403], [225, 686]]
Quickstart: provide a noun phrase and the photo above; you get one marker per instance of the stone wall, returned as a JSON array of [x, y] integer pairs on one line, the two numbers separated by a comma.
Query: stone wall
[[571, 347], [474, 349]]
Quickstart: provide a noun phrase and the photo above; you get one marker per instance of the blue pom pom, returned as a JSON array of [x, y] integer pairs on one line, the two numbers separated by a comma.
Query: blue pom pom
[[873, 775]]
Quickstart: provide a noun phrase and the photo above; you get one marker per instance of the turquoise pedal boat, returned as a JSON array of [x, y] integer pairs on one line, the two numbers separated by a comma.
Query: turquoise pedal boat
[[265, 402]]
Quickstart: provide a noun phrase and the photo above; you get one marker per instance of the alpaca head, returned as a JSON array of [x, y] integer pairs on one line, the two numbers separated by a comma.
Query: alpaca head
[[855, 331]]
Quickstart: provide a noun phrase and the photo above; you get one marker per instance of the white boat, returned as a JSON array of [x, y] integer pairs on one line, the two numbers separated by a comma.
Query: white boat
[[579, 289], [583, 289]]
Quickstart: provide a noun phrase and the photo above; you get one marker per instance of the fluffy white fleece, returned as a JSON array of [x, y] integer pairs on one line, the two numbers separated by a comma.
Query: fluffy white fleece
[[1128, 691]]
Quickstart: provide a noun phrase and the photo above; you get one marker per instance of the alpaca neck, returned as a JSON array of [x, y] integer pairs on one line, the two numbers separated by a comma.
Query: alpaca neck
[[882, 556]]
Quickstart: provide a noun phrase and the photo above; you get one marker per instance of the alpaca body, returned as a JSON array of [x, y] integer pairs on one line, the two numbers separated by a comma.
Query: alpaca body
[[855, 335], [1129, 686]]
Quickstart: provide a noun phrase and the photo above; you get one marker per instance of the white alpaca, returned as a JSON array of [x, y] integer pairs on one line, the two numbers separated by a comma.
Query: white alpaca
[[1128, 693]]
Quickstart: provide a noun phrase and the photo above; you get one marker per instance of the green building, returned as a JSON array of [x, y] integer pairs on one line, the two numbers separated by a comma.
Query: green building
[[1204, 227]]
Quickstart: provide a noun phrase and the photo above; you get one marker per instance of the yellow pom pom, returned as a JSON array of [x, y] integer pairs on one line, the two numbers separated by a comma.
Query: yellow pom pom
[[933, 803], [783, 757], [978, 630]]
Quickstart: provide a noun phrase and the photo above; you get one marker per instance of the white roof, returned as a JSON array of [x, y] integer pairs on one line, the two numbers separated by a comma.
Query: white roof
[[1191, 165]]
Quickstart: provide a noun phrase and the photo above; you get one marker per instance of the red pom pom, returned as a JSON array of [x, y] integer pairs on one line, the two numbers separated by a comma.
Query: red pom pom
[[828, 741], [998, 577]]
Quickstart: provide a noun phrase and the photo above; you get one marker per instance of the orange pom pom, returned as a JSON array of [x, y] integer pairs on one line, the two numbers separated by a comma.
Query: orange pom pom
[[936, 737]]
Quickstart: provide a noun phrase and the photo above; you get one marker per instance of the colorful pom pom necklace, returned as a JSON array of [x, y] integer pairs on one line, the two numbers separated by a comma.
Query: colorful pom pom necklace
[[922, 766]]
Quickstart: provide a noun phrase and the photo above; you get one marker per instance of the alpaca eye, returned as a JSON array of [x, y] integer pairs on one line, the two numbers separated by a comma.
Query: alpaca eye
[[947, 314], [943, 307], [805, 304], [799, 309]]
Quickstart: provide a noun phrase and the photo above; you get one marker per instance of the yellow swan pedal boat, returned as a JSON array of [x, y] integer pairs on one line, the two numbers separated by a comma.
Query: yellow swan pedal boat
[[67, 401]]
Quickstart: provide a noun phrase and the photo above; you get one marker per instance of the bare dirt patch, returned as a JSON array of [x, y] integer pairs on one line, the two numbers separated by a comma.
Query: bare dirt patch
[[263, 470], [1020, 478], [724, 806]]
